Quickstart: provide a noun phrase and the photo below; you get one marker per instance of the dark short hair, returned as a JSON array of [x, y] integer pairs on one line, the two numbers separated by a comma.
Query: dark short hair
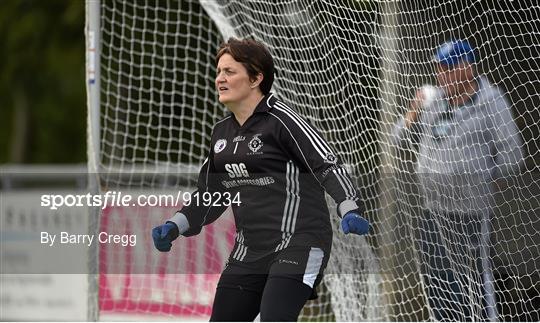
[[254, 56]]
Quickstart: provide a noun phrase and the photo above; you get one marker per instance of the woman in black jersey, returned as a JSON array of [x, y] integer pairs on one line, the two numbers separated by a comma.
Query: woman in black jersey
[[280, 167]]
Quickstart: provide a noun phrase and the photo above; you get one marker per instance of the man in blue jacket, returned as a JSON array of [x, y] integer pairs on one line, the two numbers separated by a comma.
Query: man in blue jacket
[[466, 137]]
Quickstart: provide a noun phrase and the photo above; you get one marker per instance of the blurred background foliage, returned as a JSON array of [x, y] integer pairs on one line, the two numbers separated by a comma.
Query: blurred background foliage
[[42, 89]]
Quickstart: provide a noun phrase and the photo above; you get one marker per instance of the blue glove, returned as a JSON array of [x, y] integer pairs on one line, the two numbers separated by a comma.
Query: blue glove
[[353, 222], [164, 235]]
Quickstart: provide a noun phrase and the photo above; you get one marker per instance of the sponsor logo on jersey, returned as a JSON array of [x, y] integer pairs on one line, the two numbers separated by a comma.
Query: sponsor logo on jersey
[[287, 261], [239, 138], [330, 158], [255, 144], [236, 170], [220, 145], [260, 181], [330, 169]]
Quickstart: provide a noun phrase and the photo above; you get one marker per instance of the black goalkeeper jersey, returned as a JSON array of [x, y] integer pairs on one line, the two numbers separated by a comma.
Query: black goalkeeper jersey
[[280, 166]]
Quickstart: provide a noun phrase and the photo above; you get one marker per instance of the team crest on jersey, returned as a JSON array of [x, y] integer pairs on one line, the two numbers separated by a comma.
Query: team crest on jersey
[[220, 145], [255, 144], [330, 158]]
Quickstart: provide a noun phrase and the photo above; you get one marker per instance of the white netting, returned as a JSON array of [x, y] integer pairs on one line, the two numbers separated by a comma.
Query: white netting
[[351, 67]]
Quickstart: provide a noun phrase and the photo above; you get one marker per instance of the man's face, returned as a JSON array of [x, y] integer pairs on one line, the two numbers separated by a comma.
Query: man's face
[[452, 79]]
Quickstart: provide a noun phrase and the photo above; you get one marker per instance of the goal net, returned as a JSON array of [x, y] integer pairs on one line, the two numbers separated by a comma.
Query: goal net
[[352, 68]]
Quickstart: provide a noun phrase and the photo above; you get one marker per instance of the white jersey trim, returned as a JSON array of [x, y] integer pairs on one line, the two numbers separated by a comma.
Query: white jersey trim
[[241, 250], [297, 145], [313, 266], [316, 141], [345, 182], [290, 210]]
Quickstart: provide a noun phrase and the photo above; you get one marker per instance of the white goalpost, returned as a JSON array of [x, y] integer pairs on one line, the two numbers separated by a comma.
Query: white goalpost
[[351, 68]]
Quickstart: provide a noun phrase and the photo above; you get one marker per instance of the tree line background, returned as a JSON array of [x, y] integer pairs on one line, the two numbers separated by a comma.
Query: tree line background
[[42, 82]]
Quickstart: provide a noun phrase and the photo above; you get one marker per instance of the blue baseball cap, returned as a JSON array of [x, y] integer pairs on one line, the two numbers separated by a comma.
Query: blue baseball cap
[[455, 52]]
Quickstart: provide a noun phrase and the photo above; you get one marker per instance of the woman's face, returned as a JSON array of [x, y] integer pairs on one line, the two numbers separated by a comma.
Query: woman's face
[[232, 80]]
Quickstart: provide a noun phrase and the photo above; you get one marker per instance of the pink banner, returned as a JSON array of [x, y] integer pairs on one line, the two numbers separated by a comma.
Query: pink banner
[[138, 279]]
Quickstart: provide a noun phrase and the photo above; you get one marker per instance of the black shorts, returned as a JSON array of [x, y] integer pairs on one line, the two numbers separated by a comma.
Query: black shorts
[[304, 264]]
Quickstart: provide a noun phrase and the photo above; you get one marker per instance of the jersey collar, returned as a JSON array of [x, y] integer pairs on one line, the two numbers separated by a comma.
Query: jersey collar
[[266, 103]]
